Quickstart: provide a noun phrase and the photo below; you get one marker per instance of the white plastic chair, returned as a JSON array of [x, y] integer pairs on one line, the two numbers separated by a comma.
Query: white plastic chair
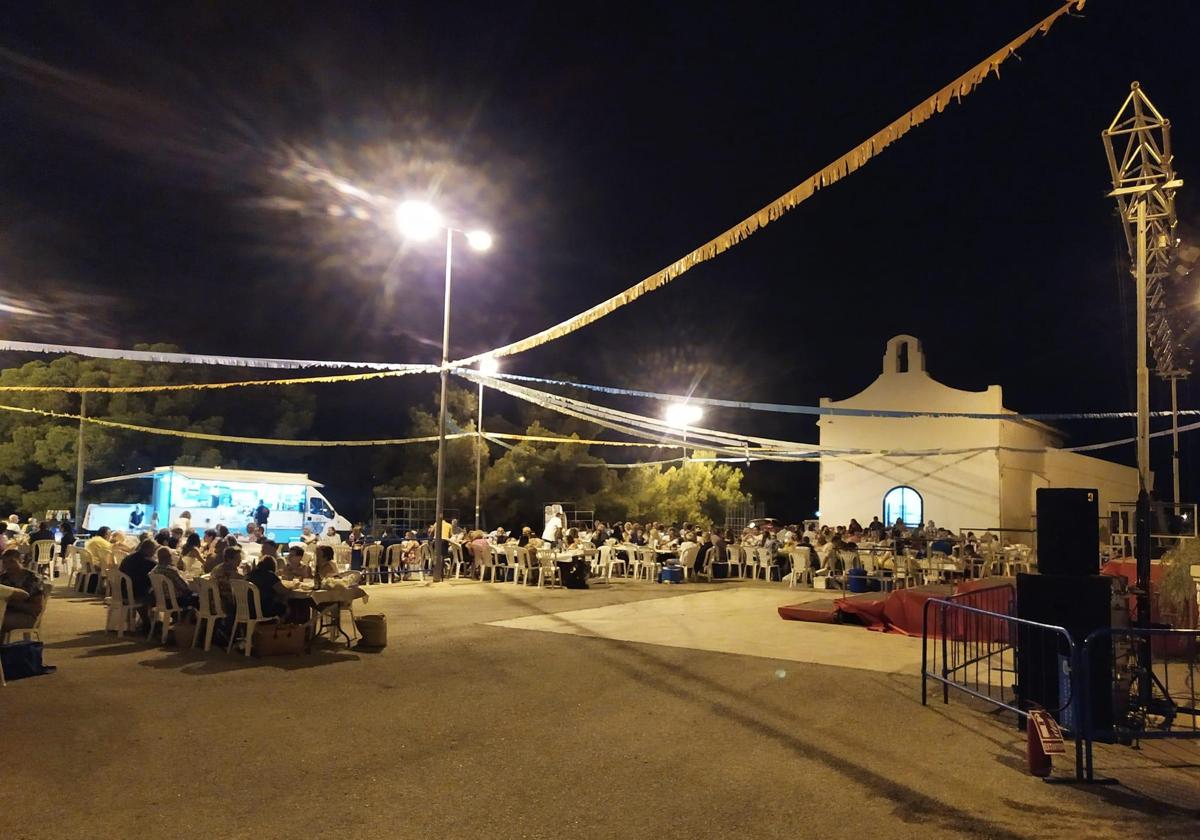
[[245, 592], [614, 560], [687, 562], [522, 564], [801, 569], [393, 560], [210, 610], [372, 568], [423, 561], [903, 575], [458, 560], [547, 567], [86, 568], [43, 555], [737, 560], [122, 608], [514, 563], [166, 608], [70, 563], [341, 557], [765, 564], [645, 561]]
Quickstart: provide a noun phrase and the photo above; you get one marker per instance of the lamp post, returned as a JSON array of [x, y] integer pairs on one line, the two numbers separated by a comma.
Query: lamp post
[[420, 221], [488, 367], [681, 415]]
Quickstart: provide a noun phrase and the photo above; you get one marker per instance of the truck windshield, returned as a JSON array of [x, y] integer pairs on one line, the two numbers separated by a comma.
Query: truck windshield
[[317, 507]]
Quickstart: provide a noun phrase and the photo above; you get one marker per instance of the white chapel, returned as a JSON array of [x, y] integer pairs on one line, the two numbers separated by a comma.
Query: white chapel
[[985, 475]]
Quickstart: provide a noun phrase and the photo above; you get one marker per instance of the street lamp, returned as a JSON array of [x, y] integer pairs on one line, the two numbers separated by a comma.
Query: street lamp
[[488, 367], [681, 415], [420, 221]]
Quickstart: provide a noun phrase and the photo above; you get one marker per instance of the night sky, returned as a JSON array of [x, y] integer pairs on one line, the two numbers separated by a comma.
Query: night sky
[[152, 160]]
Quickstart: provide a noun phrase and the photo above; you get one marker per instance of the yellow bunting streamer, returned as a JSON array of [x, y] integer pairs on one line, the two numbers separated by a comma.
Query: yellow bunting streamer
[[834, 172], [211, 386], [151, 430]]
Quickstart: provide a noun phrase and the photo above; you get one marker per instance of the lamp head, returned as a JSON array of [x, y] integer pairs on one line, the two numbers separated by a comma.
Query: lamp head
[[683, 414], [418, 220], [480, 240]]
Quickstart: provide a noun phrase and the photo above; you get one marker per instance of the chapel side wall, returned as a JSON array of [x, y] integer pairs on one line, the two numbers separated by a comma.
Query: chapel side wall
[[1022, 458], [1115, 482]]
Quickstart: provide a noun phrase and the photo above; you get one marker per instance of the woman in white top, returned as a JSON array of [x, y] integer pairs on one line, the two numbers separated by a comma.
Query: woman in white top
[[330, 537]]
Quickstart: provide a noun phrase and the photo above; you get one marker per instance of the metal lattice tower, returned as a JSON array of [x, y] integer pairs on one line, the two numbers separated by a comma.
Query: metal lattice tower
[[1138, 145]]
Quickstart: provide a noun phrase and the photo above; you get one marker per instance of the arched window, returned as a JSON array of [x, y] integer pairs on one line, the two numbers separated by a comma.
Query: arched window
[[903, 503]]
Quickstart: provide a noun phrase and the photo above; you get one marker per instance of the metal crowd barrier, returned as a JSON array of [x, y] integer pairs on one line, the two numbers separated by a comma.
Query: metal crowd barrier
[[969, 643], [977, 651], [1167, 708]]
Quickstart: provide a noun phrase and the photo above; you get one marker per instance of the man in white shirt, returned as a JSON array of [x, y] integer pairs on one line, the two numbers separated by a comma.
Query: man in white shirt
[[553, 525]]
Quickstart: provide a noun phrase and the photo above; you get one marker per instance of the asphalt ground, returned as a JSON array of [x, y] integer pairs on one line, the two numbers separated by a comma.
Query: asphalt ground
[[461, 729]]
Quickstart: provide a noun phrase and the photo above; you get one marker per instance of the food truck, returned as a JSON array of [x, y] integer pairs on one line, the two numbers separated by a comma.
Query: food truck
[[212, 496]]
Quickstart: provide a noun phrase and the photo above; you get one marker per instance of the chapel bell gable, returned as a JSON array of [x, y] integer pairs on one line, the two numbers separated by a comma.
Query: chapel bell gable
[[903, 355]]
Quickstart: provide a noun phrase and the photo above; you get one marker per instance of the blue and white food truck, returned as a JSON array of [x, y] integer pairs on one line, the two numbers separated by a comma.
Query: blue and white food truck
[[214, 496]]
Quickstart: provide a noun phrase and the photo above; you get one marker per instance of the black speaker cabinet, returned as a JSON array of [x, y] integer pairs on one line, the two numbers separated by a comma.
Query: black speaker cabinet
[[1068, 531], [1078, 604]]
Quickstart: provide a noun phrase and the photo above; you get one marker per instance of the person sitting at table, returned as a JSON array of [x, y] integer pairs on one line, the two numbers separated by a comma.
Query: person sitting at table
[[99, 546], [389, 537], [357, 541], [270, 548], [479, 547], [138, 564], [228, 569], [670, 539], [712, 550], [167, 568], [191, 557], [294, 567], [307, 536], [207, 542], [121, 546], [330, 537], [217, 556], [330, 576], [66, 537], [526, 536], [411, 546], [22, 590], [572, 538], [44, 532], [271, 592]]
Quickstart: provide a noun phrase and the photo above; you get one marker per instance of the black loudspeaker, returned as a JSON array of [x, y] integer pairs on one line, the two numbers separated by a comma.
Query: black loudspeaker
[[1080, 605], [1068, 531]]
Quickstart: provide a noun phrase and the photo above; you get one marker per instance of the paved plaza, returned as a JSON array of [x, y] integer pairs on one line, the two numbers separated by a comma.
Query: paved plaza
[[629, 710]]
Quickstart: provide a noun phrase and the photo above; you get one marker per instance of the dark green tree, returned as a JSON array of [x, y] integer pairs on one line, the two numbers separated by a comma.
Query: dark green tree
[[38, 454]]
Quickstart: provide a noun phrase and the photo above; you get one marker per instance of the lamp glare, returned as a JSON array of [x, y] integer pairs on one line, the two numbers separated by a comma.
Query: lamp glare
[[480, 240], [418, 220], [683, 414]]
